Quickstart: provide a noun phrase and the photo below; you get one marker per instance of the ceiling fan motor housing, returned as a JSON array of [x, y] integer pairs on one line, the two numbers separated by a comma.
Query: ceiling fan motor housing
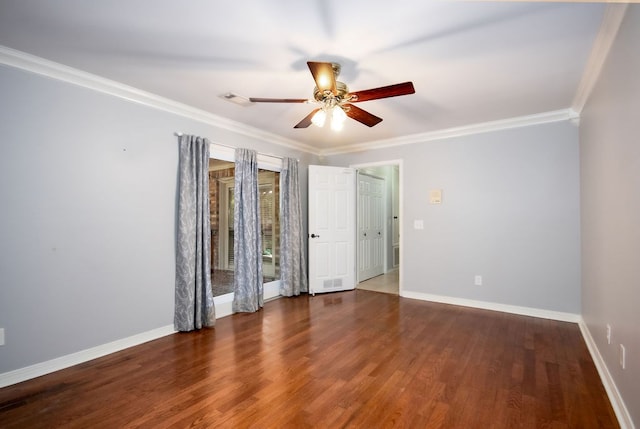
[[327, 96]]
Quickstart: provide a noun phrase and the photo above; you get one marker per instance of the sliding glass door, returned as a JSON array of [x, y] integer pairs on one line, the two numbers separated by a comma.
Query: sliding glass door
[[221, 189]]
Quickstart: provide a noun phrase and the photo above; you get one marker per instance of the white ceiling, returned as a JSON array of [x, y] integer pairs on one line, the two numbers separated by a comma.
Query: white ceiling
[[470, 62]]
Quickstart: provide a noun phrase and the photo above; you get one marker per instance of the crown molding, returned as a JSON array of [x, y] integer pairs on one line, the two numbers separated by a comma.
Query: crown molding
[[41, 66], [483, 127], [611, 21]]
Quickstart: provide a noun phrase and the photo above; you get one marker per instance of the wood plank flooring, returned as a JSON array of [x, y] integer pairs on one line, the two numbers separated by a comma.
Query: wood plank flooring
[[354, 359]]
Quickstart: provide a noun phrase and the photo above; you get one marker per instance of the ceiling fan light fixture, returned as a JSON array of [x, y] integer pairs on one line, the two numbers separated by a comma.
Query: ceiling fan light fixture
[[338, 115], [337, 125], [319, 118]]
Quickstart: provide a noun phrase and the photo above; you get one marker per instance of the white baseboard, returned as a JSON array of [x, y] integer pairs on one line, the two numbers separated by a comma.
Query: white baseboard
[[224, 303], [223, 308], [42, 368], [505, 308], [272, 290], [624, 418]]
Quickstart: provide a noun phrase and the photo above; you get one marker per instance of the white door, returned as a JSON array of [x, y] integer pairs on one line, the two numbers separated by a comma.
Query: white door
[[370, 227], [331, 229]]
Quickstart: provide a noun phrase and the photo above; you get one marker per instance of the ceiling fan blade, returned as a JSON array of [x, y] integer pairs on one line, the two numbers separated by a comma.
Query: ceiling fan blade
[[404, 88], [278, 100], [362, 116], [324, 76], [307, 120]]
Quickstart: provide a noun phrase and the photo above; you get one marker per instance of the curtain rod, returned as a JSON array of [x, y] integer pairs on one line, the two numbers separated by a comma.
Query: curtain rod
[[179, 134]]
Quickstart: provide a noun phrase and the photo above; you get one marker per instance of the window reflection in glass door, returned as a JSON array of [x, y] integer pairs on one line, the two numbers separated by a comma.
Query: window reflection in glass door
[[269, 204]]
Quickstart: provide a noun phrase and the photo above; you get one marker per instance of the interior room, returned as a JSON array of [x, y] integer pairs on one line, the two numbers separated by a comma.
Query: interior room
[[502, 137]]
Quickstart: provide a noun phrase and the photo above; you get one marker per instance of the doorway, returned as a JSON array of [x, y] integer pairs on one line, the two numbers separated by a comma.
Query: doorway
[[389, 280]]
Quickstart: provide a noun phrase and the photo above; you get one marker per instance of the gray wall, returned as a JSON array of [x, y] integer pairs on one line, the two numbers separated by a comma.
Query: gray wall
[[610, 187], [87, 233], [510, 213]]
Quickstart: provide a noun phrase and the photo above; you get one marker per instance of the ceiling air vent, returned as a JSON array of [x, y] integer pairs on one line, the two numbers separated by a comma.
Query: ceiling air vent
[[236, 99]]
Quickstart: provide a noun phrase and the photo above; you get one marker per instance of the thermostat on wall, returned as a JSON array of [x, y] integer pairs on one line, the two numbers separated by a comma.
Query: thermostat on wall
[[435, 196]]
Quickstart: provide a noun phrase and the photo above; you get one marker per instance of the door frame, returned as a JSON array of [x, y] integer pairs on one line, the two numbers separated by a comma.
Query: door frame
[[391, 162]]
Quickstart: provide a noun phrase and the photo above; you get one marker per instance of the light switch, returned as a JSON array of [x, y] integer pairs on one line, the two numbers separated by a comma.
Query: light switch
[[418, 224], [435, 196]]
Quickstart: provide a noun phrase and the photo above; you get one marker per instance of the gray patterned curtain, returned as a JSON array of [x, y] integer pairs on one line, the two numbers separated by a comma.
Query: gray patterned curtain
[[247, 247], [293, 267], [194, 306]]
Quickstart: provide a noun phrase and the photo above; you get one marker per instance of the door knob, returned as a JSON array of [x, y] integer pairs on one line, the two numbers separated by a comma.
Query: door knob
[[315, 236]]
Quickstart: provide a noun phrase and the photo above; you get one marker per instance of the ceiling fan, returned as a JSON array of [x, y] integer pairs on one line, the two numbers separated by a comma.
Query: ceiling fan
[[335, 99]]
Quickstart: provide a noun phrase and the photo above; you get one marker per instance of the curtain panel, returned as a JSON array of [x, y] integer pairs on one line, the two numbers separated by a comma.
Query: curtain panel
[[247, 246], [194, 307], [293, 267]]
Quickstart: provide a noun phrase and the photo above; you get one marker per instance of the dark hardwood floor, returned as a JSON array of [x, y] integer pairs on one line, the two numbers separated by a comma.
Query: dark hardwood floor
[[354, 359]]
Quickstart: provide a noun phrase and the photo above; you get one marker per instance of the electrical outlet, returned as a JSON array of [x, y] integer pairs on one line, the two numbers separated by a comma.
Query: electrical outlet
[[608, 334], [1, 336], [477, 280], [623, 352]]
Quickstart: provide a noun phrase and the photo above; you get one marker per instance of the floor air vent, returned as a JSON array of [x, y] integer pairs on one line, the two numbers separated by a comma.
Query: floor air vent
[[332, 283]]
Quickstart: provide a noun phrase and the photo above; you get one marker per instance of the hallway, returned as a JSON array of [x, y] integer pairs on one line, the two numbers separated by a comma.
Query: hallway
[[385, 283]]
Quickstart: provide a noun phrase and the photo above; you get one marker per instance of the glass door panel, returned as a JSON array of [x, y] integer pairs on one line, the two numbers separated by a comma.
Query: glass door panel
[[221, 191]]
